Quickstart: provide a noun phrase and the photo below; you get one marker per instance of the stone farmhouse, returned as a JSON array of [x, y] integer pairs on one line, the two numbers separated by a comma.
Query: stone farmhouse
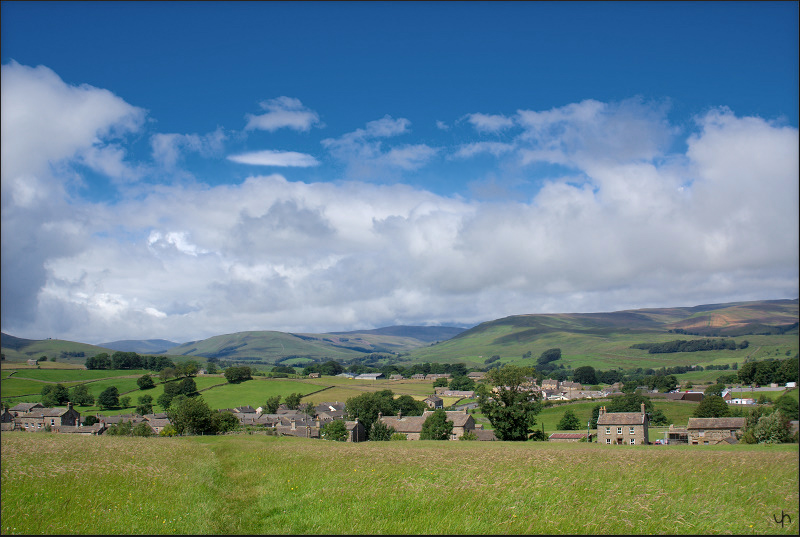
[[434, 402], [710, 431], [39, 418], [628, 428], [568, 437], [411, 426]]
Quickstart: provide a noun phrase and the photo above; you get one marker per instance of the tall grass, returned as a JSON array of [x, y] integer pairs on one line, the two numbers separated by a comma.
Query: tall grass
[[258, 484]]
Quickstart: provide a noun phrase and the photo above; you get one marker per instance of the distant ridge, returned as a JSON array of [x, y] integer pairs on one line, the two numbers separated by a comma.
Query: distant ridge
[[429, 334], [144, 346]]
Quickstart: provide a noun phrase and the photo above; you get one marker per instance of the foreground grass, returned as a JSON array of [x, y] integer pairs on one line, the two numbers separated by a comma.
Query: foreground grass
[[267, 485]]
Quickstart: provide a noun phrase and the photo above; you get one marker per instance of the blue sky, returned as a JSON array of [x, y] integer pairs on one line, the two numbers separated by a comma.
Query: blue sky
[[329, 166]]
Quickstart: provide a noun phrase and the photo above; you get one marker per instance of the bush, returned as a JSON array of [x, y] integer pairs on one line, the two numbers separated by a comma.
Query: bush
[[398, 436]]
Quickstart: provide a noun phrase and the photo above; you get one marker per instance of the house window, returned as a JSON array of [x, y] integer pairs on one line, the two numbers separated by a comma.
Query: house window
[[705, 442], [633, 441], [701, 433], [608, 440], [632, 430], [52, 422], [619, 430], [608, 430]]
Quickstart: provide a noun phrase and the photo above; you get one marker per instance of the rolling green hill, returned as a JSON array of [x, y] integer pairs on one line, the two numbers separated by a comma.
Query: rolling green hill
[[603, 340]]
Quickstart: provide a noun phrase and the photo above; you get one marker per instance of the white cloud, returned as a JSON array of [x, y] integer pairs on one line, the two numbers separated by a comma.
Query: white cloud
[[635, 226], [168, 148], [283, 112], [364, 154], [490, 122], [476, 148], [268, 157]]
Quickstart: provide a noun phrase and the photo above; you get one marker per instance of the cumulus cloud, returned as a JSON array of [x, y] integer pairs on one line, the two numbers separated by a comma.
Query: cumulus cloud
[[269, 157], [634, 226], [169, 148], [283, 112], [47, 127], [490, 122], [364, 154]]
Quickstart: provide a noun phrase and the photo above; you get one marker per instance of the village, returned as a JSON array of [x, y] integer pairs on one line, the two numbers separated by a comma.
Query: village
[[308, 421]]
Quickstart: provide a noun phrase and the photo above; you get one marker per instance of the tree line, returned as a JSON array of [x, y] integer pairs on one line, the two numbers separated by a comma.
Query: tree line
[[128, 360], [692, 345]]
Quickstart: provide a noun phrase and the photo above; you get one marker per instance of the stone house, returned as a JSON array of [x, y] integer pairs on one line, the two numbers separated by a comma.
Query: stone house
[[24, 408], [476, 375], [434, 402], [298, 427], [356, 432], [418, 376], [396, 376], [38, 419], [550, 385], [6, 421], [313, 375], [411, 426], [330, 411], [628, 428], [710, 431]]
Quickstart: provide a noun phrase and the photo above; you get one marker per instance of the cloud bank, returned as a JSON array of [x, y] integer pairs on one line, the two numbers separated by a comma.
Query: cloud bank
[[632, 225]]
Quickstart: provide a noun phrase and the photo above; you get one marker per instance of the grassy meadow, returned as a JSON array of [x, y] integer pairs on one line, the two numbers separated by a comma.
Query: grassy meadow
[[255, 484]]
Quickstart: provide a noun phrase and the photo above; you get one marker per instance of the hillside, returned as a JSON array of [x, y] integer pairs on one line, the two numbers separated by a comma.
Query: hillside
[[142, 346], [604, 339], [271, 347]]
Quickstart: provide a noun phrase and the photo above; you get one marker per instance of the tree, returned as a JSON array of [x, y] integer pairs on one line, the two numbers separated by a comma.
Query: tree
[[462, 383], [436, 426], [408, 406], [145, 382], [712, 406], [569, 421], [109, 398], [212, 368], [54, 395], [237, 374], [167, 373], [293, 400], [164, 400], [440, 383], [187, 386], [142, 429], [271, 406], [191, 415], [469, 435], [585, 375], [334, 430], [80, 395], [788, 406], [380, 432], [511, 410], [124, 401], [145, 405], [224, 421], [714, 389], [550, 355], [366, 407], [772, 429]]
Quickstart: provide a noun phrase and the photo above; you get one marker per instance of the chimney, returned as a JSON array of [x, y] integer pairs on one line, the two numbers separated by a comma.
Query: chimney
[[399, 414], [69, 405], [642, 408], [294, 425]]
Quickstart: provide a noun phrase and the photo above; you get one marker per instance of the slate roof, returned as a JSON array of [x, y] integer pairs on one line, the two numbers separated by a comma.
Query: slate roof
[[404, 424], [484, 435], [621, 418], [716, 423], [24, 407], [567, 436]]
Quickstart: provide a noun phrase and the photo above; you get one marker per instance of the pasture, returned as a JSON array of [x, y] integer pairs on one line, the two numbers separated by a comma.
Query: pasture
[[253, 484]]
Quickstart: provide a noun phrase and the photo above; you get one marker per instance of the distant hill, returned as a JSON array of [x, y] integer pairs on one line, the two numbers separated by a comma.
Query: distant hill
[[599, 339], [142, 346], [428, 334], [272, 347], [603, 339]]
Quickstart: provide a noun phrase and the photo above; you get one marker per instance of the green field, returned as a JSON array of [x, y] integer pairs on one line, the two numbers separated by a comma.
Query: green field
[[254, 484]]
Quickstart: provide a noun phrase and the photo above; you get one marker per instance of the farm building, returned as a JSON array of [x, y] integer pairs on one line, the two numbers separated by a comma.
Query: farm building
[[629, 428]]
